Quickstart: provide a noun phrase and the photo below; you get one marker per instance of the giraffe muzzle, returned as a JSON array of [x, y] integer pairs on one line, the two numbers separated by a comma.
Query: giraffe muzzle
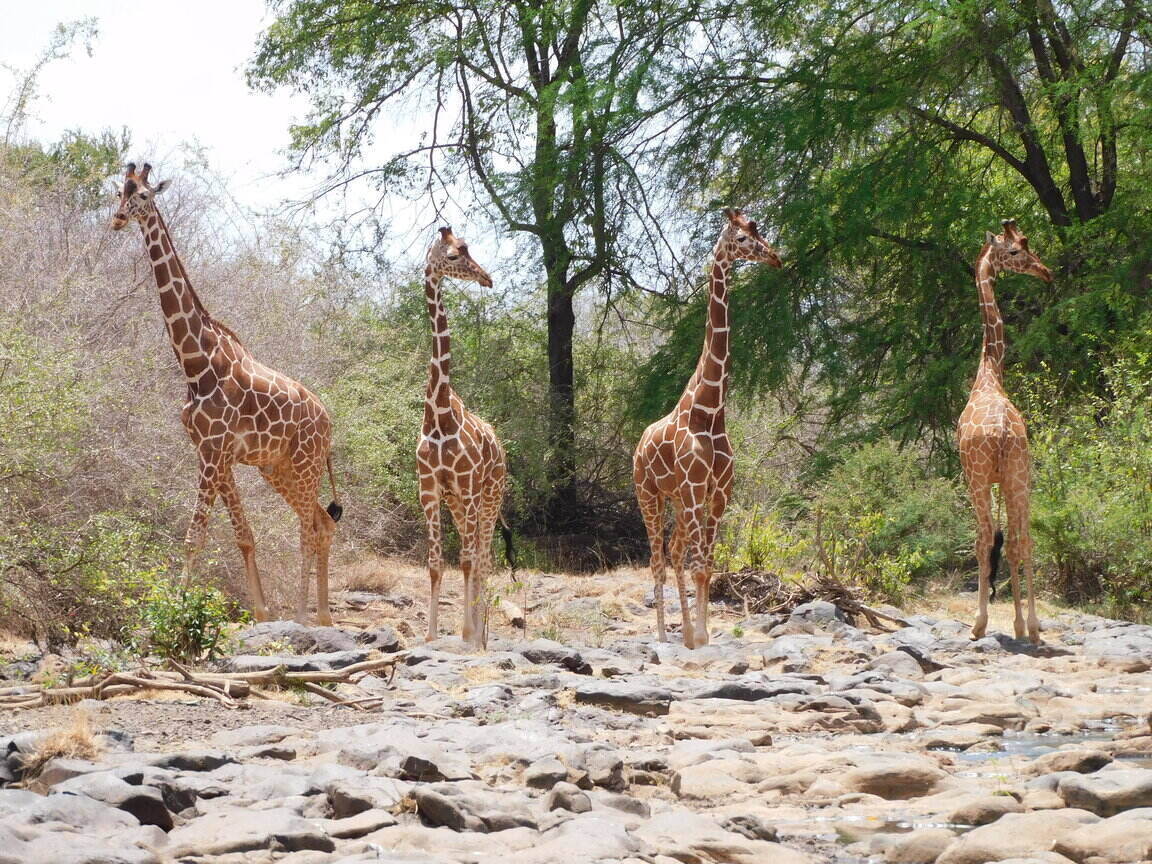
[[119, 221]]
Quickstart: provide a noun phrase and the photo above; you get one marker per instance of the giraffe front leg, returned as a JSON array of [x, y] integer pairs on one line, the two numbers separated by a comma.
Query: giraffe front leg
[[982, 503], [244, 541], [431, 504], [677, 549], [198, 527]]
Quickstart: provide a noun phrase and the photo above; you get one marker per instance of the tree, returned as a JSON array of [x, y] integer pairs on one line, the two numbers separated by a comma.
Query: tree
[[547, 108], [884, 139]]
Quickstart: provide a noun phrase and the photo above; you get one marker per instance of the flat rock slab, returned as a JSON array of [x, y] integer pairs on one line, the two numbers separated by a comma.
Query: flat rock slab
[[624, 696], [325, 662], [1108, 792], [1016, 835]]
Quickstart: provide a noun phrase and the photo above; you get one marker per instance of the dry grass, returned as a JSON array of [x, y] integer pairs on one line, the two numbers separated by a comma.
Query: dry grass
[[76, 741], [376, 575], [943, 602]]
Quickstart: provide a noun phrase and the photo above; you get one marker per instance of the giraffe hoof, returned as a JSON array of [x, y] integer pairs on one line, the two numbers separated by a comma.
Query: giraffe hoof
[[324, 620]]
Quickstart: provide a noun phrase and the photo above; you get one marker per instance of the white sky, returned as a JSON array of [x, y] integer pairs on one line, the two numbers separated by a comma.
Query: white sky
[[172, 72]]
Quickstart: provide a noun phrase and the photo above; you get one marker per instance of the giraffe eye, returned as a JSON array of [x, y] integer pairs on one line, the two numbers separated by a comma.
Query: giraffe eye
[[1013, 251]]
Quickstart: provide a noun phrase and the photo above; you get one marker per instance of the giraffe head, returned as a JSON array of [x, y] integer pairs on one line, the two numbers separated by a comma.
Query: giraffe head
[[741, 241], [449, 256], [1009, 251], [137, 199]]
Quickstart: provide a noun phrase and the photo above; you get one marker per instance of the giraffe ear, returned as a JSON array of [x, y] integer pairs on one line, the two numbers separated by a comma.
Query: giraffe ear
[[160, 187], [989, 238]]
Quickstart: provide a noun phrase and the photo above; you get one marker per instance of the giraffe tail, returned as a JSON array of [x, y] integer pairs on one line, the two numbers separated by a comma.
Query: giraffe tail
[[509, 549], [994, 560], [334, 509]]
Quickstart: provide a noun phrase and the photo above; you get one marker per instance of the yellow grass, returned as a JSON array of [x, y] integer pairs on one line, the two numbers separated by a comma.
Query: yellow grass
[[76, 741]]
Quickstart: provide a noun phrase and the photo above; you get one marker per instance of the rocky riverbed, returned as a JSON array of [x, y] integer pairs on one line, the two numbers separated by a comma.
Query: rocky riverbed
[[796, 738]]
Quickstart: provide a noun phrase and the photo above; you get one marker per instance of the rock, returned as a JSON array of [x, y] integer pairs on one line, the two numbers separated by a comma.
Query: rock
[[471, 807], [919, 847], [61, 847], [896, 778], [545, 773], [144, 802], [984, 809], [545, 651], [252, 736], [61, 768], [349, 797], [687, 836], [1015, 835], [1106, 793], [565, 796], [381, 638], [899, 663], [324, 662], [240, 829], [1081, 761], [192, 760], [705, 782], [1120, 839], [818, 611], [625, 696], [752, 827], [605, 769], [627, 804], [364, 822]]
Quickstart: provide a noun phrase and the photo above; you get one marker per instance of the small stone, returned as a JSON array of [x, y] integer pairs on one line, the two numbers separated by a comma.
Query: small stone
[[565, 796], [545, 773]]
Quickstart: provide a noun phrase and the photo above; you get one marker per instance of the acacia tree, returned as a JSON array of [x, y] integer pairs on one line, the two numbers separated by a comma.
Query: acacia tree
[[549, 109], [885, 138]]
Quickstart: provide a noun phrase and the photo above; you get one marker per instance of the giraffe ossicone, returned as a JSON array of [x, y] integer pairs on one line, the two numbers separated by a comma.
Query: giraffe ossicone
[[238, 411], [459, 458], [993, 439], [686, 457]]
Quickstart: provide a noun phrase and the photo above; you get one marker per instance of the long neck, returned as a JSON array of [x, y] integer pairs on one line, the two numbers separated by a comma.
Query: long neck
[[438, 400], [992, 351], [709, 385], [187, 321]]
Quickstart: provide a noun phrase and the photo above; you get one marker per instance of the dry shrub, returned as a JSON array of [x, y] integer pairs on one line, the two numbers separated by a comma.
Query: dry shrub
[[77, 741], [374, 575]]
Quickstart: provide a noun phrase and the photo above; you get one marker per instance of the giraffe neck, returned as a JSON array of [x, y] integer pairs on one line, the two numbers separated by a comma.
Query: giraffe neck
[[189, 326], [991, 370], [709, 385], [438, 399]]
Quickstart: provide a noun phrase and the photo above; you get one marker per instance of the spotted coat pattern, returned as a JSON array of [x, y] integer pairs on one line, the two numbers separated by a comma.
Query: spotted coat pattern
[[993, 438], [238, 411], [459, 459], [686, 457]]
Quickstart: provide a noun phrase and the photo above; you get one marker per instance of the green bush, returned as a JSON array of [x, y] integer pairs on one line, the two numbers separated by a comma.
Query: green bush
[[185, 622], [66, 582], [879, 519], [887, 522], [1092, 489]]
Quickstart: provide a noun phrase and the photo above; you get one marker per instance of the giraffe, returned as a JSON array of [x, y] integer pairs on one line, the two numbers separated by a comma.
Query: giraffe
[[994, 440], [459, 459], [686, 456], [238, 411]]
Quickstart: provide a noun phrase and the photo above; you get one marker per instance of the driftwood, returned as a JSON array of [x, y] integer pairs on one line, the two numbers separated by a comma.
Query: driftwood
[[225, 687], [759, 592]]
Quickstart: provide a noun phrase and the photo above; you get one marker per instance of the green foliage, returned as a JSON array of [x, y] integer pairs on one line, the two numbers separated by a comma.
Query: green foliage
[[185, 622], [66, 582], [882, 142], [879, 519], [1092, 499], [42, 406], [890, 520]]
